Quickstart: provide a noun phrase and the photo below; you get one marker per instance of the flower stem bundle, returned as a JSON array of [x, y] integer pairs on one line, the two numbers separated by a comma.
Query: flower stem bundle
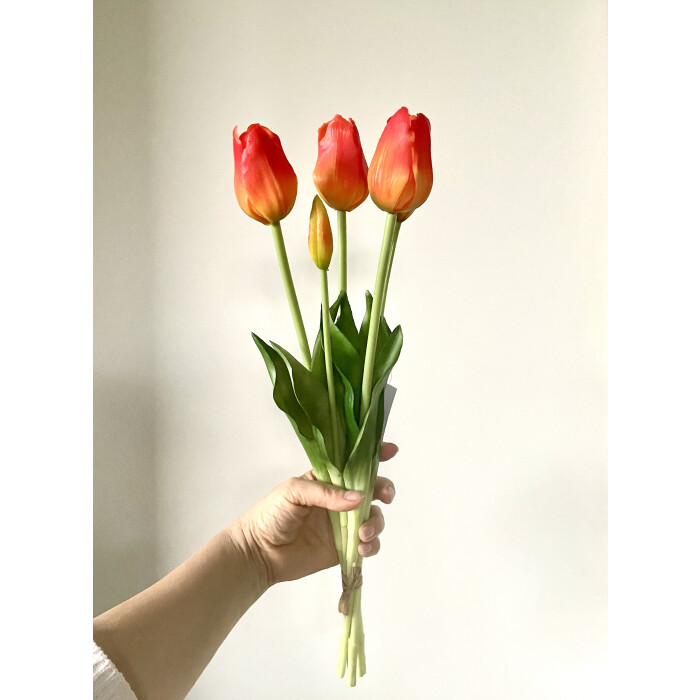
[[334, 398]]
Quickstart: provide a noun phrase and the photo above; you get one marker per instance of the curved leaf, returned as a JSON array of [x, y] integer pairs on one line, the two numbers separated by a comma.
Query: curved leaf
[[318, 361], [359, 466], [310, 393], [346, 324], [346, 358], [349, 410], [388, 354], [340, 412], [364, 326], [282, 388], [336, 305], [368, 442], [383, 333]]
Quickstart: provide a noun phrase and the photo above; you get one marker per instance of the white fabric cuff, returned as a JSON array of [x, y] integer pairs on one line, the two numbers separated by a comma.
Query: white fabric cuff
[[107, 682]]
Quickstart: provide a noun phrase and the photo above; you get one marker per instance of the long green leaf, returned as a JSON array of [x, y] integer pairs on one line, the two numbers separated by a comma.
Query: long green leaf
[[282, 388], [364, 326], [349, 410], [388, 354], [310, 393], [368, 442], [346, 324], [340, 412], [359, 466], [347, 359], [333, 311], [318, 361]]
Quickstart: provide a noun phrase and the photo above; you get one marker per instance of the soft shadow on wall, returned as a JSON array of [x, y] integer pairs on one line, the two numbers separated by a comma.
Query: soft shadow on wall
[[124, 532]]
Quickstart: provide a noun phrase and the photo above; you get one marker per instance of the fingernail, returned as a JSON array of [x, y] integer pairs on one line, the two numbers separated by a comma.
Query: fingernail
[[353, 495], [392, 492]]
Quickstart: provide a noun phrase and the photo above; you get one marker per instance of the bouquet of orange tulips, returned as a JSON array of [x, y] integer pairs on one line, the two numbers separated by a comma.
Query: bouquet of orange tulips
[[334, 396]]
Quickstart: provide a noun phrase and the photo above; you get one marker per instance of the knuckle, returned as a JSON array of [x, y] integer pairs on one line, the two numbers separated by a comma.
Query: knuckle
[[292, 488], [377, 516], [291, 484]]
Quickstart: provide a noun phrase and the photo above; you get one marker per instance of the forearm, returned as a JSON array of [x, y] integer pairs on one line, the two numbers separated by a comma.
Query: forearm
[[163, 638]]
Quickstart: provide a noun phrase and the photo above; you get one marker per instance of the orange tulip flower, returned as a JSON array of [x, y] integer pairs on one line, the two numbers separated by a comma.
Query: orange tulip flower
[[401, 172], [264, 181], [340, 174]]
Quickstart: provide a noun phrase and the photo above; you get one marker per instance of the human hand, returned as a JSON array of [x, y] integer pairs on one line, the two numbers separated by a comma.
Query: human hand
[[290, 532]]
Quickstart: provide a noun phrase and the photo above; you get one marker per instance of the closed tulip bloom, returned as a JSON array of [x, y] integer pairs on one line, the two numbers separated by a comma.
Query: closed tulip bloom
[[340, 174], [264, 181], [320, 236], [401, 172]]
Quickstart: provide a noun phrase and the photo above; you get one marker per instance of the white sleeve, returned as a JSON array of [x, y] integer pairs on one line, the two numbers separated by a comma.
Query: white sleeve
[[107, 682]]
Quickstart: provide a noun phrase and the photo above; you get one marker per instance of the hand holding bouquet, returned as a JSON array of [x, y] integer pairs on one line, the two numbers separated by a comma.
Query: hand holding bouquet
[[334, 397]]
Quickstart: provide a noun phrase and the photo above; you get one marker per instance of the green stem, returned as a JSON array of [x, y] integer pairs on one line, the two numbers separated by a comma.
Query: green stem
[[291, 294], [339, 524], [342, 521], [377, 306], [361, 660], [356, 647], [336, 526], [342, 252], [326, 321], [394, 240], [357, 632], [342, 660], [343, 540], [352, 635], [352, 641]]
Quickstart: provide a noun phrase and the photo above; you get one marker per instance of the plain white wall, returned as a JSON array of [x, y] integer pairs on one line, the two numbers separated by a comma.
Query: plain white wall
[[492, 578], [124, 438]]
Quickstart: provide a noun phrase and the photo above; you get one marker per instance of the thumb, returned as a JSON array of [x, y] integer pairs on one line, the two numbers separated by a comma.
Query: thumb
[[305, 492]]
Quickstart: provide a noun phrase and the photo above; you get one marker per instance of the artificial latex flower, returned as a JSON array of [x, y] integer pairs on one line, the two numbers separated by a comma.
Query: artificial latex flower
[[264, 181], [340, 174], [401, 172], [320, 236], [341, 434]]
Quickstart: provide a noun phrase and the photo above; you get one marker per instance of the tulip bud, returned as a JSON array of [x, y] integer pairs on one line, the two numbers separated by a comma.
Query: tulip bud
[[264, 181], [340, 174], [320, 236], [401, 172]]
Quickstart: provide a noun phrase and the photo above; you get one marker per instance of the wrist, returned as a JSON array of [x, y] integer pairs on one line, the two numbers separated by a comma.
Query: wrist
[[246, 556]]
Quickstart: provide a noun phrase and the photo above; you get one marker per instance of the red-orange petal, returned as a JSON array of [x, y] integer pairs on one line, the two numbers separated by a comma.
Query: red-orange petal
[[340, 174], [264, 182], [390, 178]]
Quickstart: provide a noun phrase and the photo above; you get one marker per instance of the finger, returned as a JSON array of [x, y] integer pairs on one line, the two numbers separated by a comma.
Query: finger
[[384, 490], [369, 549], [373, 526], [387, 451], [305, 492]]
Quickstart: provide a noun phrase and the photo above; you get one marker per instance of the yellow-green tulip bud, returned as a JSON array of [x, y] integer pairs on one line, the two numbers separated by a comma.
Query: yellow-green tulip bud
[[320, 236]]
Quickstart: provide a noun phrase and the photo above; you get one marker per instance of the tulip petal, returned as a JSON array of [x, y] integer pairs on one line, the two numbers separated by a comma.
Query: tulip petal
[[422, 162], [264, 181], [400, 176], [391, 179], [340, 174]]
